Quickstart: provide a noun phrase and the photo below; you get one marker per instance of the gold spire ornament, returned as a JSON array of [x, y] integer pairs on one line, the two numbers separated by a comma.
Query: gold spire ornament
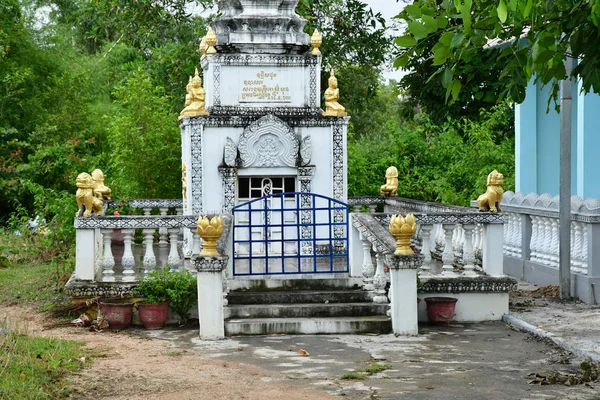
[[184, 181], [203, 47], [211, 41], [332, 95], [194, 99], [210, 231], [391, 182], [490, 200], [403, 228], [316, 40]]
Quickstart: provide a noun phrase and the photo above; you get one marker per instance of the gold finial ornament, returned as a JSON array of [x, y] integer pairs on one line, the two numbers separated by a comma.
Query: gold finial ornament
[[85, 196], [184, 181], [403, 228], [195, 98], [332, 95], [391, 182], [490, 200], [316, 40], [211, 41], [210, 231], [203, 47]]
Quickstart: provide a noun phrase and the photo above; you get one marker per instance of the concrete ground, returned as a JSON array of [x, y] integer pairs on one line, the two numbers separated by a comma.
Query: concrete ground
[[462, 361]]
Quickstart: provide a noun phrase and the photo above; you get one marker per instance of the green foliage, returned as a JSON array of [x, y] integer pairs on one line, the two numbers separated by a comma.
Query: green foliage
[[153, 288], [36, 367], [183, 292], [446, 163], [533, 38]]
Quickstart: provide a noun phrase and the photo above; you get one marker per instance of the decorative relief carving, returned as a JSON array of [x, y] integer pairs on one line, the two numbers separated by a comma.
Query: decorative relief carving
[[268, 142], [306, 150], [196, 145], [230, 153]]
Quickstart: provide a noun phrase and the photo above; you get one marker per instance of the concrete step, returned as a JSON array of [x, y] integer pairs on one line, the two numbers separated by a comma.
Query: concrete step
[[308, 326], [309, 310], [301, 296], [296, 283]]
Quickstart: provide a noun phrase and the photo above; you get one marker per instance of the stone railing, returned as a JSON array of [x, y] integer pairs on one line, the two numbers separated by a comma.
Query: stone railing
[[531, 236], [453, 244], [99, 237]]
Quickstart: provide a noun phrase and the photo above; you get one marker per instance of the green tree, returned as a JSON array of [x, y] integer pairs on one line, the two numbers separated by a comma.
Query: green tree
[[534, 36]]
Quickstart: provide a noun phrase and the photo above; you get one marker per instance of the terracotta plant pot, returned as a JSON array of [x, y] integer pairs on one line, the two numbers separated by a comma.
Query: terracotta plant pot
[[440, 310], [118, 315], [153, 316]]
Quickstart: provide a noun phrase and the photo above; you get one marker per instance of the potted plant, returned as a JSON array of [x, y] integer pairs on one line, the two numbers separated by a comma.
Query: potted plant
[[154, 309], [440, 310], [117, 314]]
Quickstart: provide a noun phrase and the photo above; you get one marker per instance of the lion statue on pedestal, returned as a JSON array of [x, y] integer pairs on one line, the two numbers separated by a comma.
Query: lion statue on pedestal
[[490, 200], [85, 196]]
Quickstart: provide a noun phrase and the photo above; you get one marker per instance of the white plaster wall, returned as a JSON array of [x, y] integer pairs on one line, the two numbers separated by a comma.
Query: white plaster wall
[[471, 307]]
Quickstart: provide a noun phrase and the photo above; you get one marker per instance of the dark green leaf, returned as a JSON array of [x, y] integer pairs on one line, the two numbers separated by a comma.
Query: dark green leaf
[[406, 41], [417, 29]]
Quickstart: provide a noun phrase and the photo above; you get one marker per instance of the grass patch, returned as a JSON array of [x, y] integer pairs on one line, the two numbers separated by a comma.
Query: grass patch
[[354, 376], [375, 368], [27, 277], [36, 368]]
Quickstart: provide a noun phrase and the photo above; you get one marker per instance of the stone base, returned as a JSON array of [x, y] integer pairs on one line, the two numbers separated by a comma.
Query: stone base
[[585, 288], [471, 307]]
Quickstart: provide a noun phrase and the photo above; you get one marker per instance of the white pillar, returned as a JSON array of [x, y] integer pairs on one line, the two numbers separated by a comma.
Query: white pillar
[[174, 261], [368, 270], [448, 255], [493, 259], [468, 255], [426, 250], [108, 261], [128, 261], [403, 277], [196, 244], [355, 251], [149, 257], [379, 280], [163, 231], [210, 296], [85, 254]]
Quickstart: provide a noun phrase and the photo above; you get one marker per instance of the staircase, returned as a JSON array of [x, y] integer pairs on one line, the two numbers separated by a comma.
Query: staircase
[[304, 306]]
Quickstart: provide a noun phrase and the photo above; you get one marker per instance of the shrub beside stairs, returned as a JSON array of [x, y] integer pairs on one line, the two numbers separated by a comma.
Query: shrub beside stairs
[[304, 306]]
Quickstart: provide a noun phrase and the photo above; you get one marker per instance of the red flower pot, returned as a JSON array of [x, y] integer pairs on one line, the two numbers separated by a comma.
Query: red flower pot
[[440, 310], [154, 316], [118, 315]]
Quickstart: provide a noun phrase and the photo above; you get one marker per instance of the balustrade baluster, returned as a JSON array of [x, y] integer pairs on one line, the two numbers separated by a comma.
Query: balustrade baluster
[[108, 261], [367, 266], [379, 280], [426, 251], [575, 247], [163, 231], [372, 208], [545, 239], [196, 243], [128, 261], [553, 254], [584, 249], [468, 255], [149, 257], [519, 236], [448, 255], [535, 239], [174, 260]]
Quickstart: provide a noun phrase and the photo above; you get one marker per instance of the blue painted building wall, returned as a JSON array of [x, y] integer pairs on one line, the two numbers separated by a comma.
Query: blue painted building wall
[[537, 148]]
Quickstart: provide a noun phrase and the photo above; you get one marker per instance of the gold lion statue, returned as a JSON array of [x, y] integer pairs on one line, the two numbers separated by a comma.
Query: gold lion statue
[[391, 182], [490, 200], [85, 196]]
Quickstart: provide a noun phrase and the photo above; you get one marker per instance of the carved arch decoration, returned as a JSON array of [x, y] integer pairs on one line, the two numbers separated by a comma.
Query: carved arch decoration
[[268, 142]]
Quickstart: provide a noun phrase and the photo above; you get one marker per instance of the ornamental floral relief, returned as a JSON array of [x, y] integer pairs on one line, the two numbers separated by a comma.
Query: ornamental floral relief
[[268, 142]]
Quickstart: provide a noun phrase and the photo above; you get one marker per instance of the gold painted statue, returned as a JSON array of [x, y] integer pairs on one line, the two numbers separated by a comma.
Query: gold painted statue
[[184, 181], [100, 190], [316, 40], [332, 95], [194, 99], [391, 182], [85, 196], [490, 200]]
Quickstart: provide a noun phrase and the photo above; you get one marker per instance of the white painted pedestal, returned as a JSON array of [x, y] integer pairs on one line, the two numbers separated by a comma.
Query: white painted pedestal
[[210, 296], [403, 279]]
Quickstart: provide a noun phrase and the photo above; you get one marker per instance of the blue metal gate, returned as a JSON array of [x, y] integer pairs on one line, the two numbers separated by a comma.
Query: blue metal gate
[[290, 233]]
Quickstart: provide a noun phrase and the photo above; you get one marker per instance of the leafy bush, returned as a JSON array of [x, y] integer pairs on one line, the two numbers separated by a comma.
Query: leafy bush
[[183, 292], [153, 288]]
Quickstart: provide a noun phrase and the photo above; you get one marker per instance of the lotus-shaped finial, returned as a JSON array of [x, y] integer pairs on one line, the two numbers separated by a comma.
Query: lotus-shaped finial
[[316, 40], [403, 228], [210, 231]]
